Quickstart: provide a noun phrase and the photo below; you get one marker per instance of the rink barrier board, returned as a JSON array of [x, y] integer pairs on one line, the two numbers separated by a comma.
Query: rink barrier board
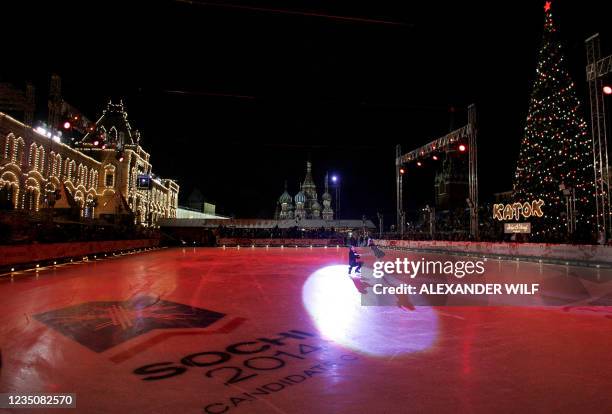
[[243, 241], [595, 254], [32, 253]]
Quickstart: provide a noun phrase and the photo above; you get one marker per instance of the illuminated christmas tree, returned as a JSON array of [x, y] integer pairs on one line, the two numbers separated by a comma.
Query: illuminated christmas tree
[[556, 148]]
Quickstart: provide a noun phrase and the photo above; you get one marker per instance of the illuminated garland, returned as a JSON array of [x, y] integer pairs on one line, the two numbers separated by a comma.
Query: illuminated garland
[[556, 148]]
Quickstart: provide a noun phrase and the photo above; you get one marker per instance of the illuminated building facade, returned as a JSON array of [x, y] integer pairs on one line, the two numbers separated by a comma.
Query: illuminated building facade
[[103, 175]]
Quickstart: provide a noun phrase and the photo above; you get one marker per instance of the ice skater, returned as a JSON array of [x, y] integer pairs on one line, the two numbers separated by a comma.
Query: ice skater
[[353, 262]]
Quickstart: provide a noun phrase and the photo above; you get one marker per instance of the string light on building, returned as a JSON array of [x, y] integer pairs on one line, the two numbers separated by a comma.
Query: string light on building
[[38, 171]]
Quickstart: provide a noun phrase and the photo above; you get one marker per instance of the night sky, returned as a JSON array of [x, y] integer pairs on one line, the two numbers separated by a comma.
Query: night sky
[[233, 100]]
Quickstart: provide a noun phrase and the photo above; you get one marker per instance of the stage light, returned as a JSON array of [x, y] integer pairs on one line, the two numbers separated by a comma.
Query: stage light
[[96, 143], [462, 147], [402, 170], [419, 163], [435, 157], [334, 178], [607, 90], [67, 125]]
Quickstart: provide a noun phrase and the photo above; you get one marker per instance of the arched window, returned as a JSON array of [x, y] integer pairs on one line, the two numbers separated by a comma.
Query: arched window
[[58, 166], [33, 158], [6, 149], [32, 195], [112, 133], [18, 148], [41, 159], [109, 175], [93, 179], [83, 177], [70, 170], [79, 176], [9, 191], [67, 168], [52, 164]]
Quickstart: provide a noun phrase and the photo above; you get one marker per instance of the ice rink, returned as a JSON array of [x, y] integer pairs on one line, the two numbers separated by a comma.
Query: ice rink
[[256, 330]]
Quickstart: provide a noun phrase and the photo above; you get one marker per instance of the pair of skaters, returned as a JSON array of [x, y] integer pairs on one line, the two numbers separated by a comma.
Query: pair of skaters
[[403, 302], [353, 260]]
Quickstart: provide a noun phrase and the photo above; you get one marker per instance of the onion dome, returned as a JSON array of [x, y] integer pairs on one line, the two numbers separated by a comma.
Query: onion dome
[[300, 197], [326, 195], [285, 198]]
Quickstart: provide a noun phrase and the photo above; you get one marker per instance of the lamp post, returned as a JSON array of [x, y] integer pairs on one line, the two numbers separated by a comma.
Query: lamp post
[[401, 215], [432, 219], [336, 182], [363, 223]]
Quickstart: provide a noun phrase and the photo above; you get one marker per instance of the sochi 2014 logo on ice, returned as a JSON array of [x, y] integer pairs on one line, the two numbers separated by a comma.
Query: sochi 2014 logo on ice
[[103, 325]]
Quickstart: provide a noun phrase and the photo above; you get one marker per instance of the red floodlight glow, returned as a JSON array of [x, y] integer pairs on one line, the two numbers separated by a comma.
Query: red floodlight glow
[[462, 148], [607, 90]]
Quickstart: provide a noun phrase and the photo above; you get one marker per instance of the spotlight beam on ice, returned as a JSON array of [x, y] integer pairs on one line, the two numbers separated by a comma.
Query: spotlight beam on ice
[[330, 297]]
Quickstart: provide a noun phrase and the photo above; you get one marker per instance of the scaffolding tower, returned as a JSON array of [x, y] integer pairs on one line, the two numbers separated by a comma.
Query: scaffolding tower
[[596, 69]]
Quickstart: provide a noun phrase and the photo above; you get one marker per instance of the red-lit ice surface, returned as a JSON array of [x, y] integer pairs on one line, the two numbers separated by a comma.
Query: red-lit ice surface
[[284, 331]]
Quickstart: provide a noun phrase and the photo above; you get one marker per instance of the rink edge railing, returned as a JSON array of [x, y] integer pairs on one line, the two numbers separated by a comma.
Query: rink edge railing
[[568, 254], [24, 255]]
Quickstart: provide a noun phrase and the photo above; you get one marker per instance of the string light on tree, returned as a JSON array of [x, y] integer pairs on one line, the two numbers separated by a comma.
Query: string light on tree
[[555, 149]]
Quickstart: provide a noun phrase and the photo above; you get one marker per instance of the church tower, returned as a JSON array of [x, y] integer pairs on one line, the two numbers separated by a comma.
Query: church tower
[[286, 205], [310, 192], [328, 213], [300, 205]]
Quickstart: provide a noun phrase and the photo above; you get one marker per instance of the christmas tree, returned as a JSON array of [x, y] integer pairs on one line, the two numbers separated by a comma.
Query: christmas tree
[[556, 148]]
